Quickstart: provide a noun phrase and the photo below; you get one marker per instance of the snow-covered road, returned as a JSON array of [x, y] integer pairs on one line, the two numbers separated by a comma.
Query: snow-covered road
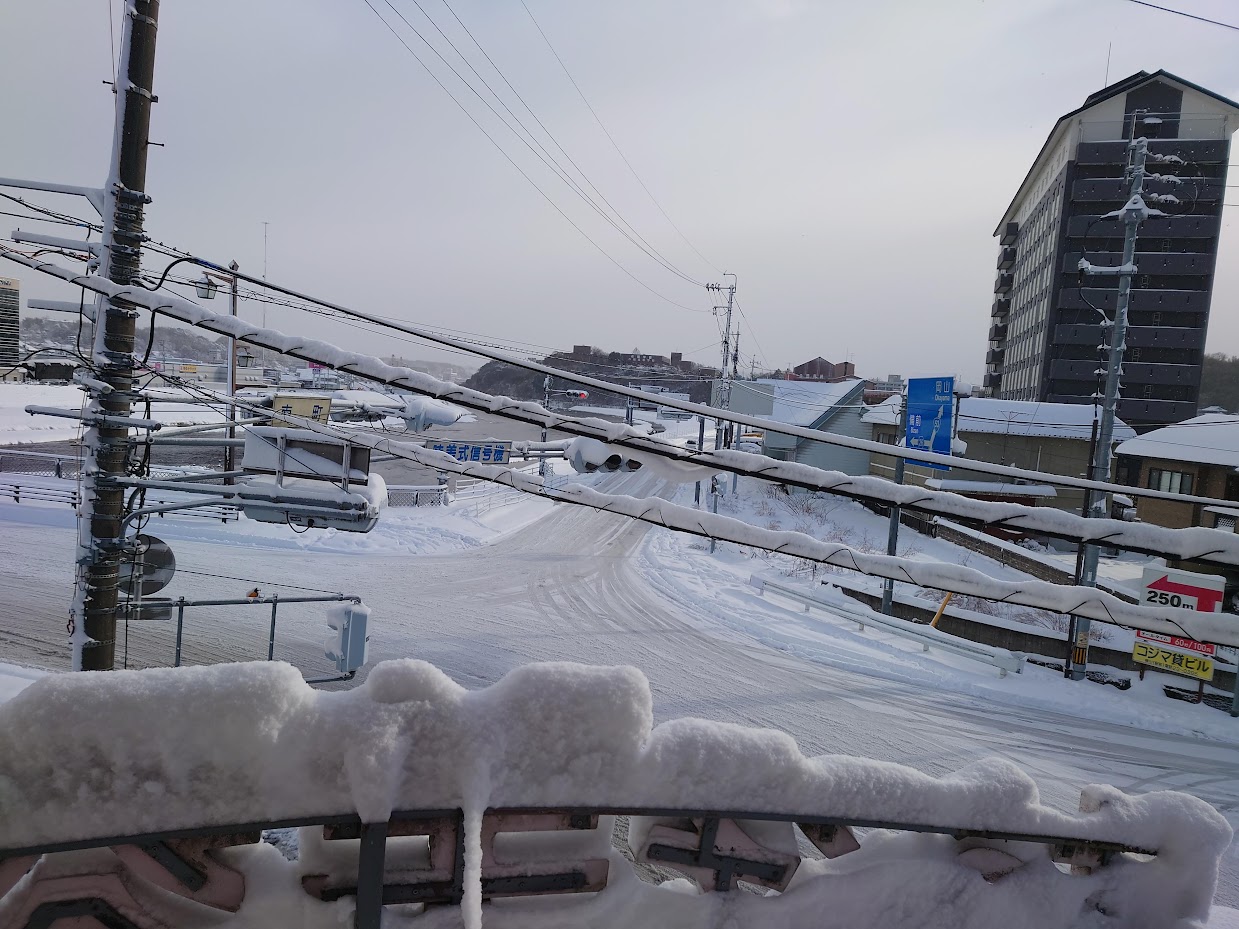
[[569, 587]]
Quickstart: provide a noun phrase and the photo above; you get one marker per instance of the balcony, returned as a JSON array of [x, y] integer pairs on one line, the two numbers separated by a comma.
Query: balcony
[[1003, 283], [1137, 336], [1010, 234], [1200, 151], [1159, 412], [1006, 258], [1183, 263], [1002, 307], [1114, 189], [993, 380], [1134, 372], [997, 332], [1155, 227], [995, 355], [1165, 301]]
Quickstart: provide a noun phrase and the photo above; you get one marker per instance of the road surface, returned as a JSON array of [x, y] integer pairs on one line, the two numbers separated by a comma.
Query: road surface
[[565, 588]]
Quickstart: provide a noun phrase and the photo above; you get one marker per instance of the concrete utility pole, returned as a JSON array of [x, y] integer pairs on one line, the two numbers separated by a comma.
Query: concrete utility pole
[[892, 536], [229, 452], [1132, 214], [112, 353], [546, 404], [724, 393]]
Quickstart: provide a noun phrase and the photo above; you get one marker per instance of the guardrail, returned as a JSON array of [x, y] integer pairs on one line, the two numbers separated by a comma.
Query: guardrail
[[21, 492], [1000, 658]]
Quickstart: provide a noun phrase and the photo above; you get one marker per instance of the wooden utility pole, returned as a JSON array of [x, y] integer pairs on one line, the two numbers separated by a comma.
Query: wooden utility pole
[[103, 507]]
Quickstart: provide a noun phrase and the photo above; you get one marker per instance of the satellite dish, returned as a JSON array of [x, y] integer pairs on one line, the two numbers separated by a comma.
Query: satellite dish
[[158, 565]]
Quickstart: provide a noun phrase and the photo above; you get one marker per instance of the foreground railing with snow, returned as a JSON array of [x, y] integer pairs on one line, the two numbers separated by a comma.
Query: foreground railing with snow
[[1002, 659], [155, 788]]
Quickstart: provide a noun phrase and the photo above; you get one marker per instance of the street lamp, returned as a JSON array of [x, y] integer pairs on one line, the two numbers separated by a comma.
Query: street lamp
[[206, 289]]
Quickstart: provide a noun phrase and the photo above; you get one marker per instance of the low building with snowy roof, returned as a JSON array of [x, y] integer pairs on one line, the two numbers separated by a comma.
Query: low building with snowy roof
[[1198, 456], [1052, 437], [827, 406]]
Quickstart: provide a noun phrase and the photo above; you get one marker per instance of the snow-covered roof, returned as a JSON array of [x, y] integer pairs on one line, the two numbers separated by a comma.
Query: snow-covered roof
[[1211, 439], [802, 403], [1013, 417], [1031, 418]]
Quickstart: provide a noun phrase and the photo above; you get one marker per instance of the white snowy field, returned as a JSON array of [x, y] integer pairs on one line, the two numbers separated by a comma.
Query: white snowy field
[[596, 588], [17, 427]]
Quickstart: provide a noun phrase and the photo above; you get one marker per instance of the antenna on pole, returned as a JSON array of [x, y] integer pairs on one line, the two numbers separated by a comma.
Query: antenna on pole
[[1106, 82]]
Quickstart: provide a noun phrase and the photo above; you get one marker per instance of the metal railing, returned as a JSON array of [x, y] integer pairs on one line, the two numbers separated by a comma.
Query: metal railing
[[1000, 658], [45, 464], [26, 492], [716, 849], [416, 495]]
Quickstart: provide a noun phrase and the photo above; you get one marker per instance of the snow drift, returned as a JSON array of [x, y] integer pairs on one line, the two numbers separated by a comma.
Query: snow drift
[[90, 755]]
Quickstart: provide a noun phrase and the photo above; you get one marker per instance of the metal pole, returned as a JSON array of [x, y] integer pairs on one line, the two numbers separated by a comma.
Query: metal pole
[[713, 504], [701, 438], [275, 605], [180, 624], [113, 351], [1234, 703], [1132, 218], [232, 376], [735, 376], [892, 538], [1069, 663], [546, 403]]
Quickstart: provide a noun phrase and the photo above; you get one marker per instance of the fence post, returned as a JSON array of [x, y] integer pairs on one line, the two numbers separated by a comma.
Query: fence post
[[275, 603], [59, 470], [180, 624]]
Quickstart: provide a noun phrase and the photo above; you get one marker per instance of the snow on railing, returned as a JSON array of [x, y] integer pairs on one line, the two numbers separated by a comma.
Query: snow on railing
[[461, 797]]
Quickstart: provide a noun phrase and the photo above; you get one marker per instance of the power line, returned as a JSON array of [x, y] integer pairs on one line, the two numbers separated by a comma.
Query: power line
[[615, 144], [1166, 9], [663, 259], [505, 154]]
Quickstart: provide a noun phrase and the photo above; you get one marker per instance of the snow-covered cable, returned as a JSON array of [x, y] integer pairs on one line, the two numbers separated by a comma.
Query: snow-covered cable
[[1219, 628], [1189, 544]]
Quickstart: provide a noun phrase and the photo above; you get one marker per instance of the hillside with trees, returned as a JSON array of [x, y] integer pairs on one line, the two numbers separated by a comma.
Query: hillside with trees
[[1219, 382]]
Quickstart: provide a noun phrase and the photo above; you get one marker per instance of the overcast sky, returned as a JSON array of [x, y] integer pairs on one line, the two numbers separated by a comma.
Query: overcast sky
[[848, 161]]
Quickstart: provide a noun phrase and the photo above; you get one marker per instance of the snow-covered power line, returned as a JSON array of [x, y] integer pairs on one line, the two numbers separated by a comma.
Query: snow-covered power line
[[1083, 601], [1190, 544]]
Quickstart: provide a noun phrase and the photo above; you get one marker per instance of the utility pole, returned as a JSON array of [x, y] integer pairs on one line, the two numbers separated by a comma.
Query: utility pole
[[229, 453], [1132, 214], [101, 540], [892, 536], [724, 393], [546, 404]]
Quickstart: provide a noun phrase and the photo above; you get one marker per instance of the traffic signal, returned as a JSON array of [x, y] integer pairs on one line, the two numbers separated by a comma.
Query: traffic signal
[[589, 455]]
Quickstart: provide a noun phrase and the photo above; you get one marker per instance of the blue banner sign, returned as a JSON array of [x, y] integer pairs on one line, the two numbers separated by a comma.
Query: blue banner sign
[[482, 452], [928, 418]]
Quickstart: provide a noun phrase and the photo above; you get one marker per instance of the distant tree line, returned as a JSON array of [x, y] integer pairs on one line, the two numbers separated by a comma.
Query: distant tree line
[[1219, 382]]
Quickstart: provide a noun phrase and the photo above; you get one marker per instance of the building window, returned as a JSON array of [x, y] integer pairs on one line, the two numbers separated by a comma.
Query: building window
[[1175, 482]]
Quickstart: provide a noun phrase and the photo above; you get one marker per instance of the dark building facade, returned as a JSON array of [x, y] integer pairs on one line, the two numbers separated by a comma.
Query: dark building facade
[[1046, 334]]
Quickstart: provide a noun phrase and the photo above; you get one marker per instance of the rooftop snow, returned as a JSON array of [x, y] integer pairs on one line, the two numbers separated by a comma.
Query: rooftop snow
[[1013, 417], [802, 403], [1212, 439]]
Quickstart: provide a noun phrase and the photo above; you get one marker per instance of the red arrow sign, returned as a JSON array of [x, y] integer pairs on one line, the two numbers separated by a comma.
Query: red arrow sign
[[1206, 600]]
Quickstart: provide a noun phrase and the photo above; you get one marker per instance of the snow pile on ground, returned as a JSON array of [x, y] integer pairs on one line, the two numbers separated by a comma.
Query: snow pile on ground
[[89, 755]]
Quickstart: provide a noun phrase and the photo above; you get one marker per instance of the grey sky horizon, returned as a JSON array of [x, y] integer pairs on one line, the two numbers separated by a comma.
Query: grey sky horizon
[[848, 162]]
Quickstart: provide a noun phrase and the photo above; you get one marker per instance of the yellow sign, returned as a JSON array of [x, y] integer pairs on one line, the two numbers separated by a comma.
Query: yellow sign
[[315, 408], [1166, 659], [189, 369]]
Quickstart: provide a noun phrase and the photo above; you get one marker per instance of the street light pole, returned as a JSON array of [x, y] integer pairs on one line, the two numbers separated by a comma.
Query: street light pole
[[232, 376]]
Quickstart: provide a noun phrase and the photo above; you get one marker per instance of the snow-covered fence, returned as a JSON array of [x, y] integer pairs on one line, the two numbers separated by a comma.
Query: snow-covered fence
[[927, 636], [515, 790], [416, 495], [38, 463]]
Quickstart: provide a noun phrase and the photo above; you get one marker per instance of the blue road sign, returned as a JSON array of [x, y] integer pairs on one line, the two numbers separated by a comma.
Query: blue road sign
[[481, 452], [931, 408]]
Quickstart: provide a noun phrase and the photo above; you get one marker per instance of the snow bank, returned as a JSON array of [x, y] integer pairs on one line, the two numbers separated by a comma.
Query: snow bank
[[95, 754]]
